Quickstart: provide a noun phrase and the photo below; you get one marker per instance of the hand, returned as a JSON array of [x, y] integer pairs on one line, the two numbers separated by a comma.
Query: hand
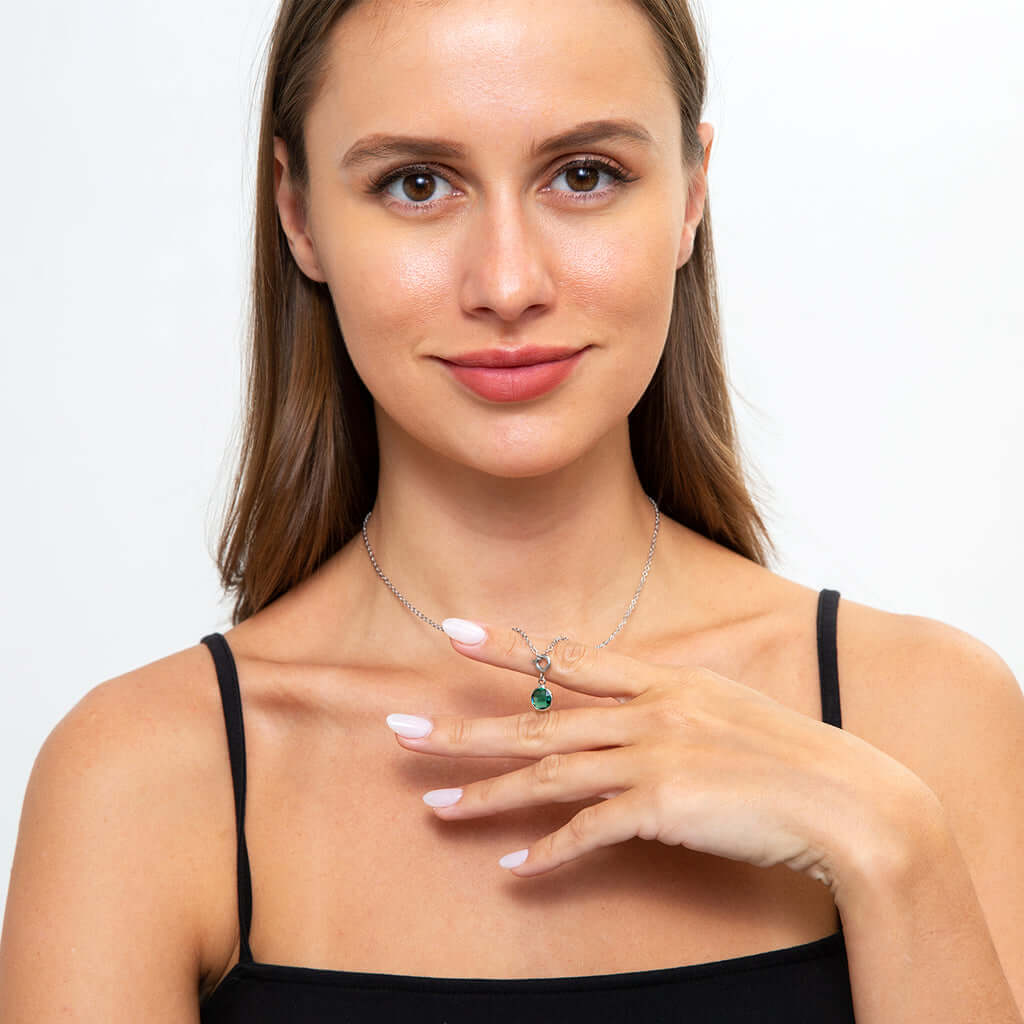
[[688, 757]]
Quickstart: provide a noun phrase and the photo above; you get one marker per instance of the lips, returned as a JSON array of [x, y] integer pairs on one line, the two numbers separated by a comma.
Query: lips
[[505, 382], [529, 355]]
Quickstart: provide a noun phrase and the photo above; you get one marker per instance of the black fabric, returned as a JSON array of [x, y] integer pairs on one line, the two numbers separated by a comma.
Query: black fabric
[[231, 699], [828, 658], [805, 984]]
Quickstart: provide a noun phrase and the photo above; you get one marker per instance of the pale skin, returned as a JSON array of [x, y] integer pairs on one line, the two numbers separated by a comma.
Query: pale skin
[[742, 820], [694, 760]]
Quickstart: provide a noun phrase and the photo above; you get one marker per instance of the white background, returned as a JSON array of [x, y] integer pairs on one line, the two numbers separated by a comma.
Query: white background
[[865, 189]]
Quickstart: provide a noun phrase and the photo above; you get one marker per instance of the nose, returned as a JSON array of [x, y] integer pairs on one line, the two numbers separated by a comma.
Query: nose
[[507, 261]]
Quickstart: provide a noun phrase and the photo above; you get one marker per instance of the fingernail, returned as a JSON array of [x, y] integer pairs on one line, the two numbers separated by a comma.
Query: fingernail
[[464, 631], [410, 726], [513, 860], [442, 797]]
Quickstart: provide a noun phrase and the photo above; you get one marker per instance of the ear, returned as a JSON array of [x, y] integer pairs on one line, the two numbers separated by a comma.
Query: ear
[[293, 218], [698, 191]]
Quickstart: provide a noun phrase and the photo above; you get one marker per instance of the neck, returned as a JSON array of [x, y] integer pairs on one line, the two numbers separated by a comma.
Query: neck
[[557, 553]]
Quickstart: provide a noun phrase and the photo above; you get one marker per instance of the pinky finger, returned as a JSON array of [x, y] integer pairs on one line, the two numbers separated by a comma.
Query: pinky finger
[[604, 824]]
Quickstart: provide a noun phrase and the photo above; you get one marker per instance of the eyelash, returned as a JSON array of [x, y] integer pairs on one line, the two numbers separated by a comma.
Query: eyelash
[[619, 175]]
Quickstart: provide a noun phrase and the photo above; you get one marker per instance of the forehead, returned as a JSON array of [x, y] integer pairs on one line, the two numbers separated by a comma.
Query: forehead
[[492, 69]]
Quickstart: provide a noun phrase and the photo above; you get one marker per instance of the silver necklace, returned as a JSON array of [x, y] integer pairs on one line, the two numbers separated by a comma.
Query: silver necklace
[[540, 699]]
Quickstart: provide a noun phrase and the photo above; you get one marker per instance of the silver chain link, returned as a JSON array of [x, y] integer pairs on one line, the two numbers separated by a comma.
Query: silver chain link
[[629, 610]]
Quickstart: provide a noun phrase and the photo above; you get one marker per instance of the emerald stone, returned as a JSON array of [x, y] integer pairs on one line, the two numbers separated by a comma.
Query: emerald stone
[[541, 698]]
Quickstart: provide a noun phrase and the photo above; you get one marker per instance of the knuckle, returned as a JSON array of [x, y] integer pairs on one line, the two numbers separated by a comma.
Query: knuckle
[[533, 730], [573, 657], [458, 731], [694, 677], [581, 826], [546, 849], [673, 714], [483, 790], [663, 794], [661, 809], [516, 643], [549, 769]]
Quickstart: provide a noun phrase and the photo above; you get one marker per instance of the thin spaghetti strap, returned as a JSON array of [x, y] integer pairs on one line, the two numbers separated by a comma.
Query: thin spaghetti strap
[[828, 672], [231, 700], [828, 659]]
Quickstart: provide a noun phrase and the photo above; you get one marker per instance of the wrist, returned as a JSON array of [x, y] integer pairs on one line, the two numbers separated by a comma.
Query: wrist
[[900, 852]]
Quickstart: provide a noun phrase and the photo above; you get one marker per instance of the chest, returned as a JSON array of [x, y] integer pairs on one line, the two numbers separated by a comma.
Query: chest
[[351, 871]]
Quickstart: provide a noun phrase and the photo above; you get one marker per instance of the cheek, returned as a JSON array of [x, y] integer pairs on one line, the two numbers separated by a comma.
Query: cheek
[[384, 287], [390, 300], [625, 280], [623, 285]]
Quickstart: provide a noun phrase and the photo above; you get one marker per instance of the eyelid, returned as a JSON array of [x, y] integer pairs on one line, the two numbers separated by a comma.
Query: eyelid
[[379, 183]]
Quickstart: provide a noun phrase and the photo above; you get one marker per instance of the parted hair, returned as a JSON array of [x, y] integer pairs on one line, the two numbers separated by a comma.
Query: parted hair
[[308, 461]]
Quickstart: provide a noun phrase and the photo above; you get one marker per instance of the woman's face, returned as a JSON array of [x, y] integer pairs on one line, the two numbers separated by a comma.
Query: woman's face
[[503, 239]]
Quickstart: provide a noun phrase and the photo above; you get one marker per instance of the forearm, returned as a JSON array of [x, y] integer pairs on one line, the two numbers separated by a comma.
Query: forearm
[[919, 948]]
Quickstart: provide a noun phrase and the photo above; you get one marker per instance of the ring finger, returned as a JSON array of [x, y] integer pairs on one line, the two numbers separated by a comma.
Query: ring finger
[[558, 778]]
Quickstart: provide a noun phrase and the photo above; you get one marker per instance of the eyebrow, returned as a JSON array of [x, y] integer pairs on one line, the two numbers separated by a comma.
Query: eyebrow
[[381, 146]]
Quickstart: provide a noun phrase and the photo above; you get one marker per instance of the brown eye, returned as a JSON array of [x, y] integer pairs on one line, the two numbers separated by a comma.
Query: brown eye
[[418, 186], [584, 177], [422, 187]]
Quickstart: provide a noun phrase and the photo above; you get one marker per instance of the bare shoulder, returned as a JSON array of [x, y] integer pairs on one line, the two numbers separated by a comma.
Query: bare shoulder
[[946, 705], [906, 681], [934, 697], [121, 836], [145, 737]]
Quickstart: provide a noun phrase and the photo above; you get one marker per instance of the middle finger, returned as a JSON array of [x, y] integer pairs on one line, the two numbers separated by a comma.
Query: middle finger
[[529, 734]]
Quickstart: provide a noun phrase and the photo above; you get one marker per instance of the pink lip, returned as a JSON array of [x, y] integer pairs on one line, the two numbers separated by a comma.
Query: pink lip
[[528, 355], [514, 383]]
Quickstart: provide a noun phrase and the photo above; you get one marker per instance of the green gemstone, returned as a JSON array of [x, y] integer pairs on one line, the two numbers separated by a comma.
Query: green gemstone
[[541, 698]]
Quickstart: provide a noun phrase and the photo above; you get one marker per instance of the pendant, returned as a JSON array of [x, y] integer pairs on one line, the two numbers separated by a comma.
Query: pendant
[[540, 699]]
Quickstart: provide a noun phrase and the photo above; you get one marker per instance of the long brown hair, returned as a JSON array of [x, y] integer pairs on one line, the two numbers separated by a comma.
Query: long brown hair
[[308, 463]]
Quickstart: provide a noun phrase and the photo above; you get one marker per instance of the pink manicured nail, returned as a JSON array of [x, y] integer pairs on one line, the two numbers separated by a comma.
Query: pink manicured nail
[[442, 797], [513, 860], [410, 726], [464, 631]]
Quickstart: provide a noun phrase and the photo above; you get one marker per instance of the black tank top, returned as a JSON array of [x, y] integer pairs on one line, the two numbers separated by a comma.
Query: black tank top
[[805, 983]]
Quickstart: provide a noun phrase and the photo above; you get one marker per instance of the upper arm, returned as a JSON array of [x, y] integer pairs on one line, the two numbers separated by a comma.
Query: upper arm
[[100, 923], [954, 715]]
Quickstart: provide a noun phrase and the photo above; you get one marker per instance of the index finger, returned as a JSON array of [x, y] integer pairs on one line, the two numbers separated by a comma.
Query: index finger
[[576, 666]]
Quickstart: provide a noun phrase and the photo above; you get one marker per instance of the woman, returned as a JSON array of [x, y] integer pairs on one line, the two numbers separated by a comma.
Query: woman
[[502, 344]]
